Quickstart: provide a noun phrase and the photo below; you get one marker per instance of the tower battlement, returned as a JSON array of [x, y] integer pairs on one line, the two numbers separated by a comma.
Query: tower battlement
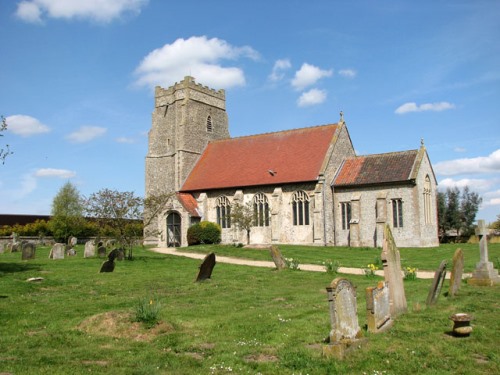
[[180, 90]]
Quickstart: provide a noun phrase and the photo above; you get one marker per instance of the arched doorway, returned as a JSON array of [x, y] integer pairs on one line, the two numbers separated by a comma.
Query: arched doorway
[[173, 230]]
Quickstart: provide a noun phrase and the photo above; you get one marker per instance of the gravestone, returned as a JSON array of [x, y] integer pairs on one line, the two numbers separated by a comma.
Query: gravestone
[[118, 254], [345, 333], [437, 284], [378, 312], [393, 274], [71, 252], [456, 272], [206, 267], [2, 248], [484, 274], [101, 251], [89, 250], [28, 250], [72, 241], [57, 251], [14, 247], [278, 259], [109, 265]]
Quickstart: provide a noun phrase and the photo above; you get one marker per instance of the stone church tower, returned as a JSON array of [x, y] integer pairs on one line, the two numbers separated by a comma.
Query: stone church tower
[[186, 117]]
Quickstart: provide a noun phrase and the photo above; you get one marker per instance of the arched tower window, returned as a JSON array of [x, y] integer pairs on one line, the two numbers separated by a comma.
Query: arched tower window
[[223, 208], [260, 210], [427, 200], [300, 208], [209, 124]]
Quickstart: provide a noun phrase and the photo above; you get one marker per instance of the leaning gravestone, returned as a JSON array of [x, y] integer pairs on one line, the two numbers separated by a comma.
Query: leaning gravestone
[[101, 251], [57, 251], [345, 333], [456, 272], [109, 265], [118, 254], [89, 249], [484, 274], [206, 267], [378, 311], [437, 284], [278, 259], [392, 273], [72, 241], [28, 250], [71, 252]]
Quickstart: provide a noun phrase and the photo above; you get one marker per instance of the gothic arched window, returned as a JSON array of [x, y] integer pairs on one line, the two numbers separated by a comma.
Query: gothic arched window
[[300, 208], [209, 124], [223, 208], [427, 200], [260, 210]]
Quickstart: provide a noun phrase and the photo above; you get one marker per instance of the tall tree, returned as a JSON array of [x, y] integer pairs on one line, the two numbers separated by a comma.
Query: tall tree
[[496, 224], [67, 213], [4, 150], [469, 206], [452, 215], [242, 216], [441, 211]]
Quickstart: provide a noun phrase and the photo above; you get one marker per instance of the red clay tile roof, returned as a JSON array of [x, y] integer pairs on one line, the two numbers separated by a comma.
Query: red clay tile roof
[[189, 203], [264, 159], [377, 169]]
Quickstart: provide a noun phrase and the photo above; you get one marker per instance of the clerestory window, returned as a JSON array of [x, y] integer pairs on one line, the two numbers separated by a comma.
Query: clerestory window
[[300, 208], [260, 210]]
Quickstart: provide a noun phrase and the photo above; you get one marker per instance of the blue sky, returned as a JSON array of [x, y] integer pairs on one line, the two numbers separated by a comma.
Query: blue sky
[[77, 83]]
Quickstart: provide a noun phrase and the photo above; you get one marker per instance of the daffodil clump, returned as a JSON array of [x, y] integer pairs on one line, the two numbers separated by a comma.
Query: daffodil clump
[[410, 273], [370, 270], [292, 264], [147, 311]]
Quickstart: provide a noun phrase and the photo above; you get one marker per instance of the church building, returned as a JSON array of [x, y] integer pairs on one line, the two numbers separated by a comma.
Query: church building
[[305, 186]]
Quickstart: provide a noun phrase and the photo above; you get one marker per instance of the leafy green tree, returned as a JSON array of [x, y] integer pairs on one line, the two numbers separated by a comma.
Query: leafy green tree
[[496, 224], [242, 216], [469, 206], [4, 150], [67, 213], [452, 215], [441, 211]]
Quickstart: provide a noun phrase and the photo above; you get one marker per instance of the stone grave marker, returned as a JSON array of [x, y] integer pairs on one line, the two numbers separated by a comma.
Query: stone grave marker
[[71, 252], [456, 272], [118, 254], [437, 284], [72, 241], [28, 250], [109, 265], [484, 274], [345, 333], [101, 251], [57, 251], [2, 248], [378, 312], [89, 250], [206, 267], [14, 247], [393, 274], [278, 259]]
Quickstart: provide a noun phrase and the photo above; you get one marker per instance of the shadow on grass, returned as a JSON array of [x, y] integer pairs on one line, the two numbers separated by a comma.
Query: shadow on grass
[[17, 267]]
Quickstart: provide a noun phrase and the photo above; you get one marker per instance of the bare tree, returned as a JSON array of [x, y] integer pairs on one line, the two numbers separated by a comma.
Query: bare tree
[[4, 150]]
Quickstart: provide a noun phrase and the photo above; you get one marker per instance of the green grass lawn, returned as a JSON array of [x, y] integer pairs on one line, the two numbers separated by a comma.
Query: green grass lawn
[[244, 320]]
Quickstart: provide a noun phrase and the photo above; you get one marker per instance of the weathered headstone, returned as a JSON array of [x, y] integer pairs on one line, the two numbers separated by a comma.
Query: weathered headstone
[[101, 251], [109, 265], [72, 241], [117, 254], [278, 259], [378, 312], [437, 284], [57, 251], [89, 250], [206, 267], [28, 250], [456, 272], [484, 274], [14, 247], [2, 248], [345, 332], [393, 274], [71, 252]]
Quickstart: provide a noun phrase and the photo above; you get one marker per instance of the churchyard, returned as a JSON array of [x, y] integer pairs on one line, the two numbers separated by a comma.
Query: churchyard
[[245, 320]]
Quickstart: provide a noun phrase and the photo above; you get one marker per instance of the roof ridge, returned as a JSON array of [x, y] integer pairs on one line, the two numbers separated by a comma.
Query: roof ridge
[[275, 132], [383, 154]]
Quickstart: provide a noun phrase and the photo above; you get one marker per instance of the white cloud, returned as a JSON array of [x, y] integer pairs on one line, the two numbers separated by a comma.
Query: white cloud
[[459, 149], [25, 126], [348, 73], [473, 184], [308, 75], [125, 140], [311, 97], [278, 68], [102, 11], [199, 57], [413, 107], [51, 172], [86, 134], [482, 164], [491, 198]]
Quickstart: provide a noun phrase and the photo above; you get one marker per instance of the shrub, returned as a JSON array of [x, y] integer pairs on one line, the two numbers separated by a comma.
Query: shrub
[[292, 264], [331, 266], [205, 232], [370, 270]]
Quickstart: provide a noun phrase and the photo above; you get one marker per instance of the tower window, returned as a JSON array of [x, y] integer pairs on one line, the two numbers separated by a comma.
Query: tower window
[[260, 210], [223, 208], [300, 208], [209, 124]]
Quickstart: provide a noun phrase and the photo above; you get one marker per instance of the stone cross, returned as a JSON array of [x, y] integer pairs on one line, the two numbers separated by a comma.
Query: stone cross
[[393, 274], [345, 330], [485, 274]]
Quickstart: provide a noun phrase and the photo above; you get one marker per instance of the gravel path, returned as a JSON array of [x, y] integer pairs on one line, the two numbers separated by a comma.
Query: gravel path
[[269, 264]]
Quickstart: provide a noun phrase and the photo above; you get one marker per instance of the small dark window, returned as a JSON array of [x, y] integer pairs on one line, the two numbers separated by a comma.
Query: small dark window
[[209, 124]]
